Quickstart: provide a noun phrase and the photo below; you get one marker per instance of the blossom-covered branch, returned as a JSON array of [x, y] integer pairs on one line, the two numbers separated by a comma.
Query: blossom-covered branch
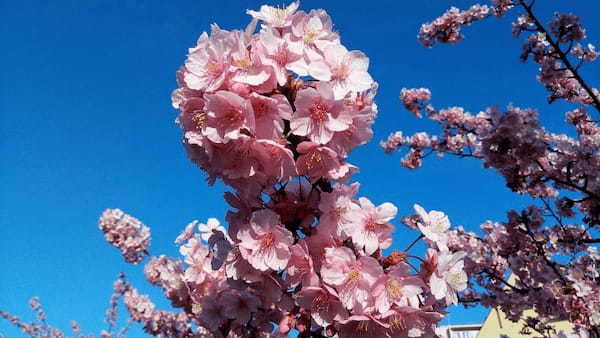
[[548, 248]]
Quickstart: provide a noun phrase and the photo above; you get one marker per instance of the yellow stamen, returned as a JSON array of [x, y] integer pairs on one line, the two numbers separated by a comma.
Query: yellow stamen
[[318, 112], [353, 276], [393, 288], [199, 119]]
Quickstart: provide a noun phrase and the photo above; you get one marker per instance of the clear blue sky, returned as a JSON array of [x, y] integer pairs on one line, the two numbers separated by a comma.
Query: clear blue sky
[[86, 123]]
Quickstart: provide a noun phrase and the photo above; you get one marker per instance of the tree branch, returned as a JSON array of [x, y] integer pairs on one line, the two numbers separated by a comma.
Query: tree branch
[[562, 56]]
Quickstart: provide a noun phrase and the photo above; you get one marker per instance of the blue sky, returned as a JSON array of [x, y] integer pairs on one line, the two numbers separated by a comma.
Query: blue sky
[[86, 123]]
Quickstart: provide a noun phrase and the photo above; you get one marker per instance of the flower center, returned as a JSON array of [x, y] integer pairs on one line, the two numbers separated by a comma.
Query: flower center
[[233, 115], [394, 288], [453, 278], [196, 308], [371, 225], [268, 241], [342, 72], [281, 57], [213, 67], [396, 322], [199, 119], [260, 108], [245, 63], [314, 160], [353, 276], [363, 326], [339, 211], [303, 266], [274, 152], [318, 112], [310, 36], [279, 14], [321, 302], [437, 227]]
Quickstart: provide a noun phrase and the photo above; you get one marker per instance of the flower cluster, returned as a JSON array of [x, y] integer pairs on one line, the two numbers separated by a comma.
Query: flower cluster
[[290, 100], [560, 55], [126, 233], [446, 28], [274, 114]]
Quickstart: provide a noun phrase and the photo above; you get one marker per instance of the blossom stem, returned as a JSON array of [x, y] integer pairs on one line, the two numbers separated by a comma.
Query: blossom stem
[[413, 243]]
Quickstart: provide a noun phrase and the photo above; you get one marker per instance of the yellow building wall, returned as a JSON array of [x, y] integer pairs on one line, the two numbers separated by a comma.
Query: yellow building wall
[[496, 324]]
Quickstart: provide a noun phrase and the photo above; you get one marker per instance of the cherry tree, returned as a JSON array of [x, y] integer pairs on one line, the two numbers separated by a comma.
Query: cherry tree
[[550, 246], [274, 112]]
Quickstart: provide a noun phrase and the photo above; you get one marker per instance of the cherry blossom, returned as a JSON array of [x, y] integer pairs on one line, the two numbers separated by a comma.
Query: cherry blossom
[[348, 70], [351, 277], [369, 227], [318, 114], [227, 114], [397, 287], [449, 276], [434, 225], [275, 16], [265, 244]]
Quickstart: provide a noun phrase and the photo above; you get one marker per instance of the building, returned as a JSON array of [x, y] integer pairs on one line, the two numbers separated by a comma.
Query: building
[[458, 331], [496, 324]]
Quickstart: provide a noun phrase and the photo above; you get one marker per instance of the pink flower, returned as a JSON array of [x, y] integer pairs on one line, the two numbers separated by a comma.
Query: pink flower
[[198, 260], [446, 29], [276, 161], [397, 287], [300, 268], [187, 233], [353, 279], [358, 133], [280, 54], [336, 208], [207, 63], [265, 244], [318, 115], [370, 228], [348, 70], [318, 242], [246, 65], [434, 225], [237, 268], [315, 31], [227, 114], [318, 161], [449, 276], [239, 305], [363, 326], [323, 304], [406, 321], [275, 16], [269, 113]]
